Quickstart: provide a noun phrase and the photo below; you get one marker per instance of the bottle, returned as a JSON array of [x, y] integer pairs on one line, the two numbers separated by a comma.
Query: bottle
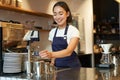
[[36, 53]]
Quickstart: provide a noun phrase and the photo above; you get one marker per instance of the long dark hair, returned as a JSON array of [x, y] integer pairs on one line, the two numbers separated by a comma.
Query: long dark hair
[[66, 8]]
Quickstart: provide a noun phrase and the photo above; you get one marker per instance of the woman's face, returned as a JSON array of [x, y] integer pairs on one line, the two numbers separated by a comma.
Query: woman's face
[[60, 16]]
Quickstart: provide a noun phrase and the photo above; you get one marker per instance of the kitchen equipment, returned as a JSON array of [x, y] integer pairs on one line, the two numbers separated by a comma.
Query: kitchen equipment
[[47, 68], [106, 59], [28, 68], [12, 63], [9, 32], [106, 47], [38, 68], [52, 69], [41, 68], [30, 37]]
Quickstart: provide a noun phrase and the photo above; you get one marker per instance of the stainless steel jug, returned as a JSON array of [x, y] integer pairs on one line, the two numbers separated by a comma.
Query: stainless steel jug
[[47, 68], [28, 68], [38, 68]]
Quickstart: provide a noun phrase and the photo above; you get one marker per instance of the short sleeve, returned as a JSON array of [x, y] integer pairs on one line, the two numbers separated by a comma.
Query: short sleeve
[[74, 32], [51, 34]]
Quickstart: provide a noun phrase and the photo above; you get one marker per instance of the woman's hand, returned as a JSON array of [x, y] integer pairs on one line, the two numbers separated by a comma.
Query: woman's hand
[[45, 54]]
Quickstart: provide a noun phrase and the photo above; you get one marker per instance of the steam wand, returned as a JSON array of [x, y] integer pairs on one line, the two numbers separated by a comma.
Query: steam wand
[[28, 63]]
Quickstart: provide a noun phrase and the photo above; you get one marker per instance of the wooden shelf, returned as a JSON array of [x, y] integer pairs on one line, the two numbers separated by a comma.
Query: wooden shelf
[[17, 9]]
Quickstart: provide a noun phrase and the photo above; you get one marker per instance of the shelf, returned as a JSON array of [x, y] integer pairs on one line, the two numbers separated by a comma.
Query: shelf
[[107, 36], [17, 9], [111, 34], [115, 25]]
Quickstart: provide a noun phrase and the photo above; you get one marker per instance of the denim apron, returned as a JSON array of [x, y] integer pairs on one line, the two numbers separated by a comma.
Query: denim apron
[[60, 43]]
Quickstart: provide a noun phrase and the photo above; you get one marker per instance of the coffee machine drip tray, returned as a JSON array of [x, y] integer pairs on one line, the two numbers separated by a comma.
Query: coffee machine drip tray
[[105, 65]]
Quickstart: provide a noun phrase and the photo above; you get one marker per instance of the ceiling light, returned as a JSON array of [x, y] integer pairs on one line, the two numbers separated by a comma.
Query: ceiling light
[[118, 1]]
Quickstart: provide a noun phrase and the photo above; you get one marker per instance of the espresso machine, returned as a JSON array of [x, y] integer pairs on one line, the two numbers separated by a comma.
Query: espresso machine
[[106, 59], [9, 33], [30, 36]]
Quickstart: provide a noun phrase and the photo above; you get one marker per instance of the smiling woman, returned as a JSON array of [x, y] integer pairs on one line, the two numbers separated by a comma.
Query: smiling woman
[[63, 39]]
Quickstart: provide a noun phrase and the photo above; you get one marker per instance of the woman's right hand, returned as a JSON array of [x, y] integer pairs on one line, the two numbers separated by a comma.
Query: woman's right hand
[[45, 54]]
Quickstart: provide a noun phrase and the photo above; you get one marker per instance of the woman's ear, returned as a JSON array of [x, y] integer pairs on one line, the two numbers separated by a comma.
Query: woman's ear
[[68, 13]]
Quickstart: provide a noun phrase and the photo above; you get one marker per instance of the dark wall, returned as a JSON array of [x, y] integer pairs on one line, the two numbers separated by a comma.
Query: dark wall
[[85, 59], [1, 60], [106, 10]]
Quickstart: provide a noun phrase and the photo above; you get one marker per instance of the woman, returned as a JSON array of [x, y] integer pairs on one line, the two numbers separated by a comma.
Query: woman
[[64, 39]]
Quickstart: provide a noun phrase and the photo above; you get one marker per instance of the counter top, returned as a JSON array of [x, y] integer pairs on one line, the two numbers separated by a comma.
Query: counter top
[[73, 74], [82, 73]]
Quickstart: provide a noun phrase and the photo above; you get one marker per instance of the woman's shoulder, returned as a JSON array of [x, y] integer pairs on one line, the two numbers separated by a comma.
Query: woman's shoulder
[[71, 27], [52, 30]]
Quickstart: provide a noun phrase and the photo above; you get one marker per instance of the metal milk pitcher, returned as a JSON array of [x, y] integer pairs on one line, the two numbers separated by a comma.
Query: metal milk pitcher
[[38, 68]]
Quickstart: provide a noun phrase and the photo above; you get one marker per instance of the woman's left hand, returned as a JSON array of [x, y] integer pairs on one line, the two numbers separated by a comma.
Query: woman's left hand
[[45, 54]]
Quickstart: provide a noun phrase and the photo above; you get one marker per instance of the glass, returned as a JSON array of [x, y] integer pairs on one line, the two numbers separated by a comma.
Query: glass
[[36, 51], [106, 56]]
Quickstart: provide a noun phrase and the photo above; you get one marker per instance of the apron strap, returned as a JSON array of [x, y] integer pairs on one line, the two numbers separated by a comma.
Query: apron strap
[[65, 33], [55, 31], [66, 29]]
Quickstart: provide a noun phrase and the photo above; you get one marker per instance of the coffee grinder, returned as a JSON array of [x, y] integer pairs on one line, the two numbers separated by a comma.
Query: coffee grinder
[[106, 59]]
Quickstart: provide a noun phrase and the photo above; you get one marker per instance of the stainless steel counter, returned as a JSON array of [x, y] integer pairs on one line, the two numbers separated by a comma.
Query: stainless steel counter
[[72, 74]]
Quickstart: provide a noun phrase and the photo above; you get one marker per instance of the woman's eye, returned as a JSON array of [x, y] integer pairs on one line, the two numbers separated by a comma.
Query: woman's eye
[[54, 14], [61, 13]]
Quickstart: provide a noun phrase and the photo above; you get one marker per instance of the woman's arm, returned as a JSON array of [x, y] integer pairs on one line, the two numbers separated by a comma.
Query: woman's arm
[[63, 53]]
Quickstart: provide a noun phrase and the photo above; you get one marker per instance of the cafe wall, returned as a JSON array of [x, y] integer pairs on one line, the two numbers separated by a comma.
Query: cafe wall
[[80, 8]]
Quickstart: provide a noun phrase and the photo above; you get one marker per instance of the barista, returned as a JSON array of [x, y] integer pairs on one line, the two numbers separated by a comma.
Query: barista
[[64, 39]]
